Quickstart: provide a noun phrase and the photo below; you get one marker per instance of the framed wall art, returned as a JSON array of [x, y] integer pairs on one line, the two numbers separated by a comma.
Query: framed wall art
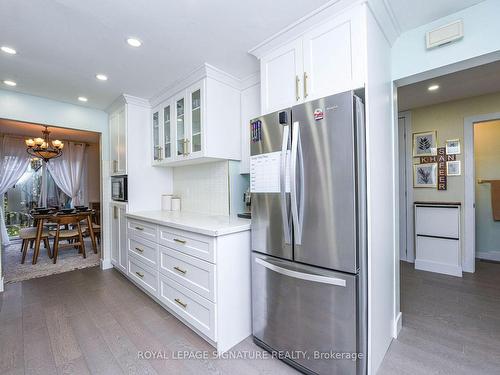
[[425, 175], [453, 146], [453, 168], [425, 143]]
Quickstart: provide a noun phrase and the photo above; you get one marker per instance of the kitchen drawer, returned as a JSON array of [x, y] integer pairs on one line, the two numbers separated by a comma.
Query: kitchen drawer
[[144, 250], [193, 273], [190, 243], [143, 275], [196, 310], [141, 229]]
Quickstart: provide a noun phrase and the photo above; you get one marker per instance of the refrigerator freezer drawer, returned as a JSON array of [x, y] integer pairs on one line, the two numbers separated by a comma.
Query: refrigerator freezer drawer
[[303, 308]]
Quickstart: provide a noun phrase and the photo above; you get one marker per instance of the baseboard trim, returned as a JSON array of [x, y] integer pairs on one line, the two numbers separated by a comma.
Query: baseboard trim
[[1, 285], [106, 264], [398, 324], [489, 255], [447, 269]]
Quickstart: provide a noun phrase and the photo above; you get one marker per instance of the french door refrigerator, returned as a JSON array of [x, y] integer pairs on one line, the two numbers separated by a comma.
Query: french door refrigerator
[[309, 235]]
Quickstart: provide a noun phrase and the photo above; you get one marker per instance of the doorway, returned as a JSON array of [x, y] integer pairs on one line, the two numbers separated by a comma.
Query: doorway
[[443, 313], [71, 179]]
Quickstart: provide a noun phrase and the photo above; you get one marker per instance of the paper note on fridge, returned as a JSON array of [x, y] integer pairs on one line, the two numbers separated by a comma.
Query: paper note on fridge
[[265, 171]]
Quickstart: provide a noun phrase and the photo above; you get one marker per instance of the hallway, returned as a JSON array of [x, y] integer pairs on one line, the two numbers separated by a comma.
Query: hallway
[[451, 325]]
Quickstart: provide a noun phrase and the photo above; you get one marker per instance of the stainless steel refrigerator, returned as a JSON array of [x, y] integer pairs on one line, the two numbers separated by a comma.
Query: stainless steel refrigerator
[[309, 235]]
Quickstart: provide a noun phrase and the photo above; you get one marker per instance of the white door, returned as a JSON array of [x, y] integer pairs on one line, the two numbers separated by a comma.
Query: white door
[[329, 53], [123, 246], [281, 77], [115, 243]]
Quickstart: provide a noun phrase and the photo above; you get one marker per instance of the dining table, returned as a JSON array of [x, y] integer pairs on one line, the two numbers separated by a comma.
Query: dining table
[[41, 218]]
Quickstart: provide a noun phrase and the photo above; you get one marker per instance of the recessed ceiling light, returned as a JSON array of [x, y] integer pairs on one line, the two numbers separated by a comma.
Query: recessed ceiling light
[[134, 42], [9, 50], [82, 99], [433, 87], [10, 83], [101, 77]]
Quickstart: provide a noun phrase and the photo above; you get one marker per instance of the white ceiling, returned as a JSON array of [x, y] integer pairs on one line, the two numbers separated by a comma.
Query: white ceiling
[[62, 44], [26, 129], [484, 79]]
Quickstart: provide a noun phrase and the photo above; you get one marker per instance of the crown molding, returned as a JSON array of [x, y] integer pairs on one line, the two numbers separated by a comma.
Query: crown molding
[[302, 25], [134, 100], [380, 9], [250, 80], [204, 71]]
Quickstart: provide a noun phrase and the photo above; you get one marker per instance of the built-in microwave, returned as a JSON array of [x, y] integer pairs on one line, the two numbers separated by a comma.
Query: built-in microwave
[[119, 188]]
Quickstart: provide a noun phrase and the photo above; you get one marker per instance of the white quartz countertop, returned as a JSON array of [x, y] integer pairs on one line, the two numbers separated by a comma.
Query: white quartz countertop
[[210, 225]]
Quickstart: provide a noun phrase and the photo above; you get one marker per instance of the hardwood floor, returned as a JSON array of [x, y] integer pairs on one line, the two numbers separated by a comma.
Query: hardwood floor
[[450, 325], [96, 322]]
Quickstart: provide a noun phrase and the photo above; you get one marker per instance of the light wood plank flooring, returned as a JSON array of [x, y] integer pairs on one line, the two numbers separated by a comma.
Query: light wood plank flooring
[[95, 322], [450, 325]]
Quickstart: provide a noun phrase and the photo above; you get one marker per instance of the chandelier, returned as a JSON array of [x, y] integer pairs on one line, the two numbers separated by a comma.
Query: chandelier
[[43, 148]]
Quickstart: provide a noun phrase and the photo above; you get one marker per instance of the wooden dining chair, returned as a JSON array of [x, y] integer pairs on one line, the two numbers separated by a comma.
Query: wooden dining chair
[[71, 230], [28, 235]]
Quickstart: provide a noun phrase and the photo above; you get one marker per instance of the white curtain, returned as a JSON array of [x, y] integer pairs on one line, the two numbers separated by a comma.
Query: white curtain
[[67, 170], [13, 163]]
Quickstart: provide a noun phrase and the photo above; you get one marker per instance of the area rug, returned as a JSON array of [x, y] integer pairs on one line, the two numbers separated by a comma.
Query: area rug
[[68, 259]]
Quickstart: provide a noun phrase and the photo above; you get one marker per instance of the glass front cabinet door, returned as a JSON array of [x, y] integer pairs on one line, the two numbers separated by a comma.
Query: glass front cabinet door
[[180, 125], [167, 132], [196, 122], [157, 149]]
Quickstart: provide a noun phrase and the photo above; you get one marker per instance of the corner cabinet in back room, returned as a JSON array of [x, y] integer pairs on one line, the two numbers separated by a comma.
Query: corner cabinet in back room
[[197, 120]]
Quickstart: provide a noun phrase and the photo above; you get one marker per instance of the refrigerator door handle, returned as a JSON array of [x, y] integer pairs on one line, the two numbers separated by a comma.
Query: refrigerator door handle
[[283, 185], [301, 275], [297, 224]]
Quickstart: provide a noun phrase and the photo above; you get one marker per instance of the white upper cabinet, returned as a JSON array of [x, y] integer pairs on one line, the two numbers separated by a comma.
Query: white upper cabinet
[[326, 59], [118, 141], [281, 75], [332, 56], [198, 122]]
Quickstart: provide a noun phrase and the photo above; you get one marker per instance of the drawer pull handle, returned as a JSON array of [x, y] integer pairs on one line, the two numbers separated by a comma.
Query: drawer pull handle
[[179, 302], [139, 249], [139, 228], [180, 270], [141, 275], [180, 241]]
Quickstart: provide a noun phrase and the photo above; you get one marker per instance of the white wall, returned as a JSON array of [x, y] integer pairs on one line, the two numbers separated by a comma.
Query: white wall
[[480, 44], [29, 108], [381, 195]]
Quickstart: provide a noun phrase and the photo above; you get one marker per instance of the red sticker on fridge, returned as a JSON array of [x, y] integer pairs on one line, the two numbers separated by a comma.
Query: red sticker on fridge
[[318, 114]]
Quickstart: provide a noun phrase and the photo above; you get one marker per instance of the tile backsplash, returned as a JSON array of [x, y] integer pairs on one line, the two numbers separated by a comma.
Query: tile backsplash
[[203, 188]]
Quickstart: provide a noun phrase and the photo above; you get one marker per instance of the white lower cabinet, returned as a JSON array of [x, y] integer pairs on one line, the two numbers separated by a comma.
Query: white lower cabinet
[[119, 253], [196, 310], [202, 280]]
